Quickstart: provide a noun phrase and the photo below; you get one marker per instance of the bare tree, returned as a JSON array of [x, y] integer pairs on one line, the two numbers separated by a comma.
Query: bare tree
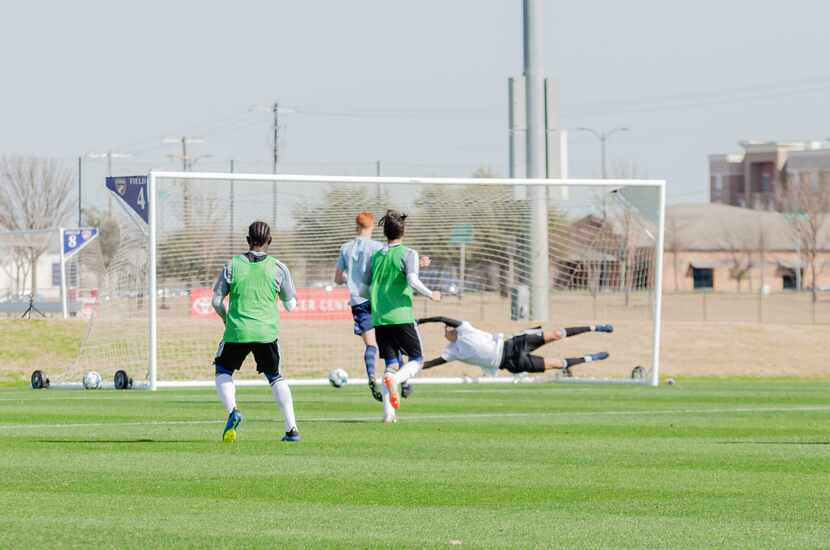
[[738, 243], [35, 193], [805, 203], [109, 233], [674, 244]]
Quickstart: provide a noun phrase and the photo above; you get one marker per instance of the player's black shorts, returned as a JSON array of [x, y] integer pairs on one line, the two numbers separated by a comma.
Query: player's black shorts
[[395, 339], [231, 355], [517, 357]]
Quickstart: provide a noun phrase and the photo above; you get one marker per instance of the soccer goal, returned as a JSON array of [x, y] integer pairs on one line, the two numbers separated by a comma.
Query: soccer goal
[[507, 254]]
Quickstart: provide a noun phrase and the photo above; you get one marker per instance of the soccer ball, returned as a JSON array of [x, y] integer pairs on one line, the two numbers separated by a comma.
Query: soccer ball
[[92, 381], [338, 378]]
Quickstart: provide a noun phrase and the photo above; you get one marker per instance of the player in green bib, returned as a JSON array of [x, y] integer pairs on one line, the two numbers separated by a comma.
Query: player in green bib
[[393, 277], [253, 281]]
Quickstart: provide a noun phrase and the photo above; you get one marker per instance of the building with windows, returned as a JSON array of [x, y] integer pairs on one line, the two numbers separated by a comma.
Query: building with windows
[[753, 177], [722, 247]]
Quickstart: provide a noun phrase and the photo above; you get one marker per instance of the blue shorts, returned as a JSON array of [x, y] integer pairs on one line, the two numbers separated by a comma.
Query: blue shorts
[[362, 314]]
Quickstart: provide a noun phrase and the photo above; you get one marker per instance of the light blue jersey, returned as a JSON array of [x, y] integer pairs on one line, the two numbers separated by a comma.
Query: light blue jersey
[[355, 260]]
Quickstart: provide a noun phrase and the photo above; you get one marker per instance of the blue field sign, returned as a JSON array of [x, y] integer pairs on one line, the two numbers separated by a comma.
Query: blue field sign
[[132, 190], [74, 240]]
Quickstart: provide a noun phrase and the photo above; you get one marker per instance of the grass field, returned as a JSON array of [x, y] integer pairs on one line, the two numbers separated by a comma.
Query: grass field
[[730, 463], [688, 349]]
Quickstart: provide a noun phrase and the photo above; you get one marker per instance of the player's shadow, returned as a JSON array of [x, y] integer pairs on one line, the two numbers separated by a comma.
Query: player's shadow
[[116, 441], [774, 442]]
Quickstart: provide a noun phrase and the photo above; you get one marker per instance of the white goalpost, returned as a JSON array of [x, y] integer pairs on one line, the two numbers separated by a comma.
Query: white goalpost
[[604, 243]]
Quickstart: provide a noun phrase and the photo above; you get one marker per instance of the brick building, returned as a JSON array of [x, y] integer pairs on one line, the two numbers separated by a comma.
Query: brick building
[[721, 247], [751, 178]]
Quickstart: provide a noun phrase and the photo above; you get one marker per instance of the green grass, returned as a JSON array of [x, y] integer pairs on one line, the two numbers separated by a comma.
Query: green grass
[[22, 347], [701, 464]]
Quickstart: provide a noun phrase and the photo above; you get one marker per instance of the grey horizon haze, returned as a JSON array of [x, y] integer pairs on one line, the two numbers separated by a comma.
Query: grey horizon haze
[[420, 86]]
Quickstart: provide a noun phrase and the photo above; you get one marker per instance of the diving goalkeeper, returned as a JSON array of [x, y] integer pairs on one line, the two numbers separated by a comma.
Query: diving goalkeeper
[[491, 351]]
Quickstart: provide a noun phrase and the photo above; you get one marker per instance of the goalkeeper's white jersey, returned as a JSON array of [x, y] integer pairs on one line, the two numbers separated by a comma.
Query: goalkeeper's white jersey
[[476, 347]]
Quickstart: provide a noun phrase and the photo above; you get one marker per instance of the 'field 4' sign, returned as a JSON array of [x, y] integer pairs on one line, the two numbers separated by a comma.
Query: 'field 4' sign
[[133, 191]]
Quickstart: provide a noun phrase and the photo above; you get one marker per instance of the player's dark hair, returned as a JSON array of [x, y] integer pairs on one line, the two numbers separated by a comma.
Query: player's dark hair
[[259, 234], [394, 224]]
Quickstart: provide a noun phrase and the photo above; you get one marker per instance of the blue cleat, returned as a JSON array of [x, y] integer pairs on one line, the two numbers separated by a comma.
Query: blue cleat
[[604, 328], [291, 436], [599, 356], [234, 420]]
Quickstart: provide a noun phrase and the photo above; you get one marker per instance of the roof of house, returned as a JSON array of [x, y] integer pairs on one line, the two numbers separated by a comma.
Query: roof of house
[[718, 227]]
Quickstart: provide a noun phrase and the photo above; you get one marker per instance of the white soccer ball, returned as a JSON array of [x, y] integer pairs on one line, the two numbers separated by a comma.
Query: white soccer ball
[[92, 381], [338, 378]]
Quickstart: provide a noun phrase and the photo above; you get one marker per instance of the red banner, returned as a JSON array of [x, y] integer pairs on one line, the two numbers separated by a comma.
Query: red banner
[[313, 304]]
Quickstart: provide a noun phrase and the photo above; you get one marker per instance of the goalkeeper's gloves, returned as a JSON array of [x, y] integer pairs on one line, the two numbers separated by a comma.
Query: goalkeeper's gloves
[[375, 389]]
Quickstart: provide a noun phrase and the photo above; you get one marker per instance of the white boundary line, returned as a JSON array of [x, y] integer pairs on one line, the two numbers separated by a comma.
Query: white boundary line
[[456, 416]]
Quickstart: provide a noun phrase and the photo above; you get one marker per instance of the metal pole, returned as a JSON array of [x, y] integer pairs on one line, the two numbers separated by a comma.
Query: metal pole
[[80, 190], [274, 167], [109, 175], [377, 175], [602, 139], [64, 304], [231, 206], [462, 268], [658, 285], [152, 356], [537, 196]]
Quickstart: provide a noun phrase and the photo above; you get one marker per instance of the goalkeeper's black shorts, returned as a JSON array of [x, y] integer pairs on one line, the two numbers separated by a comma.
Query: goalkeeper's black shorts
[[516, 356]]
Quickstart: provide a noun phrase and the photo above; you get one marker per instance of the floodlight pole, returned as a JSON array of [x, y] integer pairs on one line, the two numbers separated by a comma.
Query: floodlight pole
[[152, 355], [536, 157]]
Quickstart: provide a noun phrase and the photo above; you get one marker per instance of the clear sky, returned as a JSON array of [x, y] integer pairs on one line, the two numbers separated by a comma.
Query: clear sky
[[421, 86]]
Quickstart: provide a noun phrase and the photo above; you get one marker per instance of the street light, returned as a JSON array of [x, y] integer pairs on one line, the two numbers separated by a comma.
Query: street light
[[603, 138]]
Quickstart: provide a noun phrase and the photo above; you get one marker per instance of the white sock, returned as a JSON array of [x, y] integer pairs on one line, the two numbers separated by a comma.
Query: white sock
[[226, 391], [282, 395], [388, 410], [588, 358], [408, 371]]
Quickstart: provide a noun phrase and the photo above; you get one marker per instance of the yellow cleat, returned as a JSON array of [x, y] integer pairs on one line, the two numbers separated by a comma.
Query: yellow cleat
[[234, 420]]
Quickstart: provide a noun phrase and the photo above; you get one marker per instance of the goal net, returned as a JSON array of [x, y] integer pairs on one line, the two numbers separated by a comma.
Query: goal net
[[507, 255]]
